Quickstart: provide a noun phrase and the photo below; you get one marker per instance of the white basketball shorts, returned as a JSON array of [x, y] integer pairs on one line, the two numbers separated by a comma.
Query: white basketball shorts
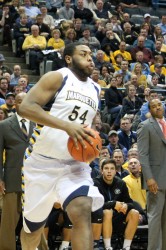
[[47, 181]]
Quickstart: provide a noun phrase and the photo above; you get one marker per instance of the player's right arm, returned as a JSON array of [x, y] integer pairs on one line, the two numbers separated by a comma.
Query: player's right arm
[[40, 95]]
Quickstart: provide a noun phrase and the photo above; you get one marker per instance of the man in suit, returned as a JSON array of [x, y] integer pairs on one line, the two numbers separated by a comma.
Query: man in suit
[[152, 154], [13, 141]]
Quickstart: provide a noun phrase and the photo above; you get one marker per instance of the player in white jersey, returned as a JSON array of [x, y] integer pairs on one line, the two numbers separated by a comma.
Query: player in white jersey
[[50, 173]]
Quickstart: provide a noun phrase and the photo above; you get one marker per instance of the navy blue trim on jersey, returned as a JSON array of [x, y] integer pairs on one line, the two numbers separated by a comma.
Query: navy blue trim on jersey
[[97, 90], [33, 226], [48, 106], [81, 191]]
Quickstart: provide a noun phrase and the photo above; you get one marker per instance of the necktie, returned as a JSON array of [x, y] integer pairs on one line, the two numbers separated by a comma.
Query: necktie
[[23, 128], [163, 124]]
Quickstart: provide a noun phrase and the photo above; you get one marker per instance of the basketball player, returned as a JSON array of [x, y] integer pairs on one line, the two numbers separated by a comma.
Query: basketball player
[[50, 173]]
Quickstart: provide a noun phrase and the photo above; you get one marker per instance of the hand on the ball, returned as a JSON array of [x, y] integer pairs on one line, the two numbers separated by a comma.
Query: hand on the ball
[[79, 133]]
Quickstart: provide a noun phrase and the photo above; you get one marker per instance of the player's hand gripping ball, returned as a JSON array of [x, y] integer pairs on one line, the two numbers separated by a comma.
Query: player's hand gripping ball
[[89, 153]]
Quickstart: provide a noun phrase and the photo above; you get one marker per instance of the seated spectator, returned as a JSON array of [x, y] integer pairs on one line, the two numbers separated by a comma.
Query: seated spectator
[[148, 57], [128, 36], [90, 4], [16, 75], [148, 20], [105, 73], [114, 143], [3, 87], [133, 182], [149, 44], [99, 59], [147, 27], [44, 29], [9, 105], [122, 50], [78, 26], [126, 136], [141, 78], [119, 13], [56, 42], [158, 72], [21, 30], [118, 212], [110, 39], [162, 25], [97, 125], [21, 11], [7, 26], [126, 19], [119, 156], [124, 71], [66, 12], [31, 11], [95, 77], [119, 79], [34, 43], [53, 5], [116, 27], [70, 36], [160, 60], [102, 13], [47, 19], [89, 40], [23, 83], [17, 89], [131, 104], [140, 59], [117, 64], [3, 115], [132, 153], [84, 14]]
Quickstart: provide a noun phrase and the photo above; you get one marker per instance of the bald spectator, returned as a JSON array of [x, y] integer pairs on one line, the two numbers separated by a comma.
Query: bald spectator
[[129, 36], [133, 182], [34, 43], [66, 12], [102, 13], [149, 44], [126, 19], [148, 57], [16, 75]]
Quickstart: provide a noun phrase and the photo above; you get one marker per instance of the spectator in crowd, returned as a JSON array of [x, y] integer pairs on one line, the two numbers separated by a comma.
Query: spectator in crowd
[[119, 214], [106, 74], [126, 19], [149, 44], [132, 153], [8, 77], [17, 89], [158, 59], [158, 72], [102, 13], [95, 77], [90, 4], [89, 40], [117, 64], [23, 82], [133, 182], [47, 19], [78, 27], [129, 36], [148, 57], [119, 157], [31, 11], [114, 143], [21, 11], [9, 105], [124, 71], [14, 142], [141, 78], [111, 40], [131, 103], [148, 20], [116, 25], [44, 29], [3, 87], [145, 113], [140, 59], [99, 59], [16, 75], [66, 12], [21, 30], [83, 13], [7, 26], [34, 43], [122, 50], [56, 42], [156, 33], [53, 5], [97, 125], [119, 12], [157, 51], [162, 25], [70, 36], [3, 114], [126, 136]]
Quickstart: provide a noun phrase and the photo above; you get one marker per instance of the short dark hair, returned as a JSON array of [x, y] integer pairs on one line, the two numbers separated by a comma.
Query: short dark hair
[[107, 161]]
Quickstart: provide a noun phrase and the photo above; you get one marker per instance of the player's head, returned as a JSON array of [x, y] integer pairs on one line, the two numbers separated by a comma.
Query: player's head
[[78, 58]]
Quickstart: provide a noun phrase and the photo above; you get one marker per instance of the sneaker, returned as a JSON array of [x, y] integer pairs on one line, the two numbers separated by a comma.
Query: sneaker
[[108, 248]]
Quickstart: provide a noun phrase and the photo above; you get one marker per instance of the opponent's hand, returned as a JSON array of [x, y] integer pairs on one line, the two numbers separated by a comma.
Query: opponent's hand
[[152, 185], [2, 187], [79, 133]]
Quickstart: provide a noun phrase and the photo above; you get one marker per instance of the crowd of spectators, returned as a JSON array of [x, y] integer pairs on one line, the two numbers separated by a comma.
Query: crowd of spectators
[[129, 66]]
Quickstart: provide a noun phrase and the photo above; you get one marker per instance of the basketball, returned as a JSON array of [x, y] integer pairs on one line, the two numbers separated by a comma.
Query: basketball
[[87, 154]]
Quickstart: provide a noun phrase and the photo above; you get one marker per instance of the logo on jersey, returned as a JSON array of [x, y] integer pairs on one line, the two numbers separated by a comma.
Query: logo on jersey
[[117, 191], [71, 95]]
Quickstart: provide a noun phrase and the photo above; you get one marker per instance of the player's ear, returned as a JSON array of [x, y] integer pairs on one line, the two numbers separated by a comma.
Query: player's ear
[[68, 59]]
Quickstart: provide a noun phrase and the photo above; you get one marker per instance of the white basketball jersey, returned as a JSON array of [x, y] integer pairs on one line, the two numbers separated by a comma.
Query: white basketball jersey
[[76, 101]]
